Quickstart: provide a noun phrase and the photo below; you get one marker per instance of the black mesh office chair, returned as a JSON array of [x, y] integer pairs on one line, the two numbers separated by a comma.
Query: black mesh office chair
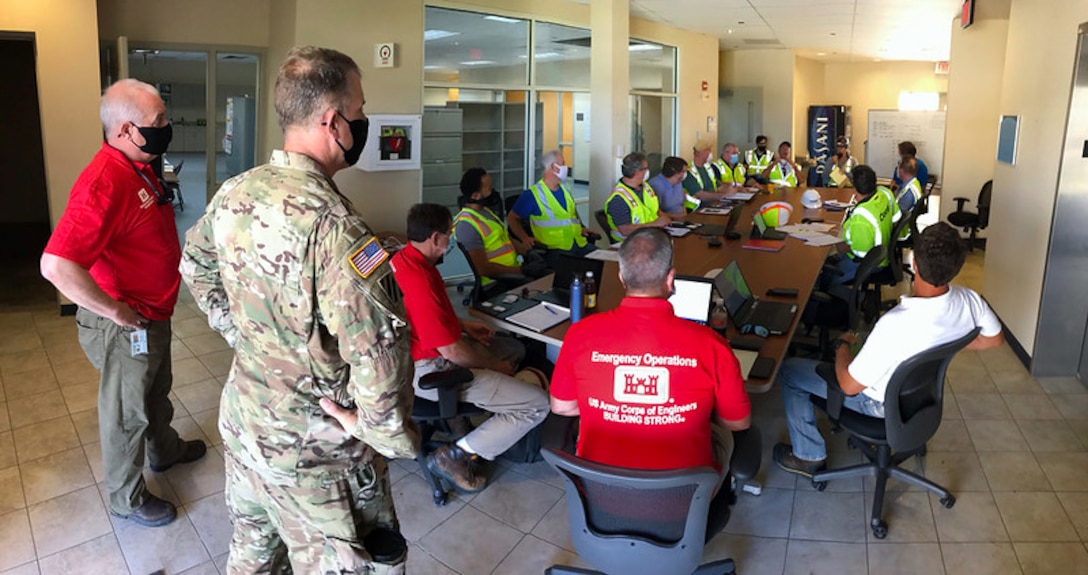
[[972, 222], [913, 407], [891, 274], [481, 292], [829, 314], [175, 186], [633, 522], [602, 220], [433, 416], [921, 207]]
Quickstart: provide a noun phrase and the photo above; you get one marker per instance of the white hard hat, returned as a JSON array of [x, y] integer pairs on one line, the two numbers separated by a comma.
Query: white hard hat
[[811, 199]]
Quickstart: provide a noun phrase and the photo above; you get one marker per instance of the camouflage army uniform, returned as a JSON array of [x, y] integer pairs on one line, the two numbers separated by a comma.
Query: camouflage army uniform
[[290, 275]]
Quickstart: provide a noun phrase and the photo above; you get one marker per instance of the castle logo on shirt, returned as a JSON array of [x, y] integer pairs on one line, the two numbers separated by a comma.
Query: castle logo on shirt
[[638, 384], [145, 198]]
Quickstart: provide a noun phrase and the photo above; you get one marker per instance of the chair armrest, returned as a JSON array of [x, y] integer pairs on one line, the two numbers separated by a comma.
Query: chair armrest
[[559, 432], [835, 395], [446, 379], [959, 203], [819, 296], [747, 453], [831, 269]]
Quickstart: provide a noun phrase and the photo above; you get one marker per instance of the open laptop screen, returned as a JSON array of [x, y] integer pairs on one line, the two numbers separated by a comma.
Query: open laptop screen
[[567, 266], [733, 289], [691, 298]]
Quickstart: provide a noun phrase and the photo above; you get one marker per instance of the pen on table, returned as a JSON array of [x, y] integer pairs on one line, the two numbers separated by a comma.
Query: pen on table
[[547, 307]]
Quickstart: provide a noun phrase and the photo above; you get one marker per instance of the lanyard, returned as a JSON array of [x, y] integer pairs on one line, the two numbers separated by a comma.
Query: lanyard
[[161, 198]]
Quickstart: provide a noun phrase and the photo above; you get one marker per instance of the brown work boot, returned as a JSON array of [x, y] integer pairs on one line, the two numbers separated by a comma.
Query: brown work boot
[[457, 467], [154, 512], [784, 457]]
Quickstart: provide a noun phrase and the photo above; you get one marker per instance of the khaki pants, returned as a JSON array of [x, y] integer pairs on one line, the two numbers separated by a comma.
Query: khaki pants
[[317, 529], [133, 404], [516, 406]]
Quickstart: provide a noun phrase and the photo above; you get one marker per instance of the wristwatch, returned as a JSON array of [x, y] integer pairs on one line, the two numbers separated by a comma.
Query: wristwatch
[[838, 341]]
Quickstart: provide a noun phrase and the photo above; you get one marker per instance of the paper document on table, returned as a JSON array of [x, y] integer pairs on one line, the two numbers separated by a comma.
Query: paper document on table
[[540, 317], [819, 240], [715, 211], [818, 227], [740, 196], [677, 232], [746, 359], [835, 205], [838, 176], [604, 255]]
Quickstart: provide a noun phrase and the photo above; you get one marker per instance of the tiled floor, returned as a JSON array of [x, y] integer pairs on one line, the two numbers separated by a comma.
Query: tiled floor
[[1012, 448]]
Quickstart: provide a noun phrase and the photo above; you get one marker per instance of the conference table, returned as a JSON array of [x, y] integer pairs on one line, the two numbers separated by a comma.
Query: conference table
[[796, 266]]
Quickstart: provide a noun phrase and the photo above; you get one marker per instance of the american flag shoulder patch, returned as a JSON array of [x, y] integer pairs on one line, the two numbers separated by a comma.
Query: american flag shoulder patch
[[367, 258]]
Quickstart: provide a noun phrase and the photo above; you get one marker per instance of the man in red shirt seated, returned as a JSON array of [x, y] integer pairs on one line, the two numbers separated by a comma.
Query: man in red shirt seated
[[662, 395], [115, 253], [442, 341]]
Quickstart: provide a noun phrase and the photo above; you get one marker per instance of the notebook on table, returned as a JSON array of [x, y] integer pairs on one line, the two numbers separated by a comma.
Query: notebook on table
[[692, 298], [744, 308]]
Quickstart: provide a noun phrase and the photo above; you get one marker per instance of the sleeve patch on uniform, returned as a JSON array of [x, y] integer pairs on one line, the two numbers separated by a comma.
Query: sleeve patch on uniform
[[367, 258]]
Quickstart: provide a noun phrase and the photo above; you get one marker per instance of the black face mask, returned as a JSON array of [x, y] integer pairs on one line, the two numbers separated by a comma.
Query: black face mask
[[761, 147], [359, 130], [156, 140]]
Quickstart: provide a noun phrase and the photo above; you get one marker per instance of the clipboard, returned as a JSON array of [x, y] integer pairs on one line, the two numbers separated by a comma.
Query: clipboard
[[540, 317]]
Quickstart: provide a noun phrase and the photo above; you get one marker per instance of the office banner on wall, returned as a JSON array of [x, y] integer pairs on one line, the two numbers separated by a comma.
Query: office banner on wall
[[825, 124]]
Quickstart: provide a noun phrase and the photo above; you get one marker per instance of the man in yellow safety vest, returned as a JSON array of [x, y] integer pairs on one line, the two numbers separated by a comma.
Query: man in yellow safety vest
[[553, 218], [633, 203]]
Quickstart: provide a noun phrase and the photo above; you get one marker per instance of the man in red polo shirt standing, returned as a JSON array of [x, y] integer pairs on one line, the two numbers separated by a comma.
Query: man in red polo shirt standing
[[661, 395], [115, 253], [437, 344]]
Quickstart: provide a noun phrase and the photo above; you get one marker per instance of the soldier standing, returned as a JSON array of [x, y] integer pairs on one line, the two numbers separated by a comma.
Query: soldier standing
[[296, 282]]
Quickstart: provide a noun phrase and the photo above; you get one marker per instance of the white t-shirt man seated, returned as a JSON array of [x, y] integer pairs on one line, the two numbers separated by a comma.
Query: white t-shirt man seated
[[937, 313]]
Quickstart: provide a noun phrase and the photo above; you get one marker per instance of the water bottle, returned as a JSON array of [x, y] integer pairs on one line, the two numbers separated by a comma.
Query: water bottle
[[591, 292], [577, 299]]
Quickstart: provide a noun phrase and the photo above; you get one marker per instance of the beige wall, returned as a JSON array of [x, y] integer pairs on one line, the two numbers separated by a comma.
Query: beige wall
[[765, 69], [868, 86], [976, 67], [808, 90], [236, 22], [1036, 87], [66, 37], [281, 37]]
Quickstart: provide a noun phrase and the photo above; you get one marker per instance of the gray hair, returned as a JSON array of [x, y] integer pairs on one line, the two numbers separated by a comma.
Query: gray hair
[[549, 159], [310, 79], [118, 106], [730, 145], [645, 260]]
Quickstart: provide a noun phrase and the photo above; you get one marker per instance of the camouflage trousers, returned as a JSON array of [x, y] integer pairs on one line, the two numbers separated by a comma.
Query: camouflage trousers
[[308, 530]]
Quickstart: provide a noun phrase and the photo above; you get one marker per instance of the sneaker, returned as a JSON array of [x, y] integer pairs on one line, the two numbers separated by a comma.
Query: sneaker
[[154, 512], [457, 467], [190, 452], [784, 457]]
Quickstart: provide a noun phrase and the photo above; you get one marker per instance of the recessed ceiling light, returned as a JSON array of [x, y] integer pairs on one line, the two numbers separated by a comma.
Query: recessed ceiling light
[[437, 34], [821, 53], [502, 19], [729, 31], [477, 62]]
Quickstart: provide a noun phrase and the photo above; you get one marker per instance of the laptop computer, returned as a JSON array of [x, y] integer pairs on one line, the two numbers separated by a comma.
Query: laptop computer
[[692, 298], [565, 269], [744, 308], [765, 232], [720, 230]]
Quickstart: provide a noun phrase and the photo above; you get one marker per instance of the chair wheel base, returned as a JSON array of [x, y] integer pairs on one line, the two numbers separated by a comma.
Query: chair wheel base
[[440, 498], [819, 485], [880, 529], [949, 501]]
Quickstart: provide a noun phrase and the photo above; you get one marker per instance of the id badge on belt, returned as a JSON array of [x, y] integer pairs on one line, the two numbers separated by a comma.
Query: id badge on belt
[[139, 342]]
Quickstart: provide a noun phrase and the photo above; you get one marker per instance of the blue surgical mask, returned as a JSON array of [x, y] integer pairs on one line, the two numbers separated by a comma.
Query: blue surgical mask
[[734, 158]]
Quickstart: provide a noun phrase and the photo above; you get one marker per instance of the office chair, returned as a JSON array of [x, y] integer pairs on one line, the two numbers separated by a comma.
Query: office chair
[[176, 186], [831, 314], [632, 522], [602, 220], [921, 207], [432, 416], [912, 413], [481, 292], [973, 221], [891, 274]]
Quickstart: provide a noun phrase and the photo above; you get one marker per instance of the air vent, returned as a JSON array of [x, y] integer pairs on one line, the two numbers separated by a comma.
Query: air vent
[[762, 42]]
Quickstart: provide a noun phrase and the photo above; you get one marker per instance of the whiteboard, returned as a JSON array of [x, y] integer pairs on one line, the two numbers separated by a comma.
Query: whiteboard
[[889, 127]]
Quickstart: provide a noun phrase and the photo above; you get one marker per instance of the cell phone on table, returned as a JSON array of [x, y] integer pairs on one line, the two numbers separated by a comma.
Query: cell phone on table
[[782, 292]]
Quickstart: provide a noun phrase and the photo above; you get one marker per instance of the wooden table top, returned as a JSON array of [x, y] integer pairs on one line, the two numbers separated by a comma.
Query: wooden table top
[[796, 266]]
